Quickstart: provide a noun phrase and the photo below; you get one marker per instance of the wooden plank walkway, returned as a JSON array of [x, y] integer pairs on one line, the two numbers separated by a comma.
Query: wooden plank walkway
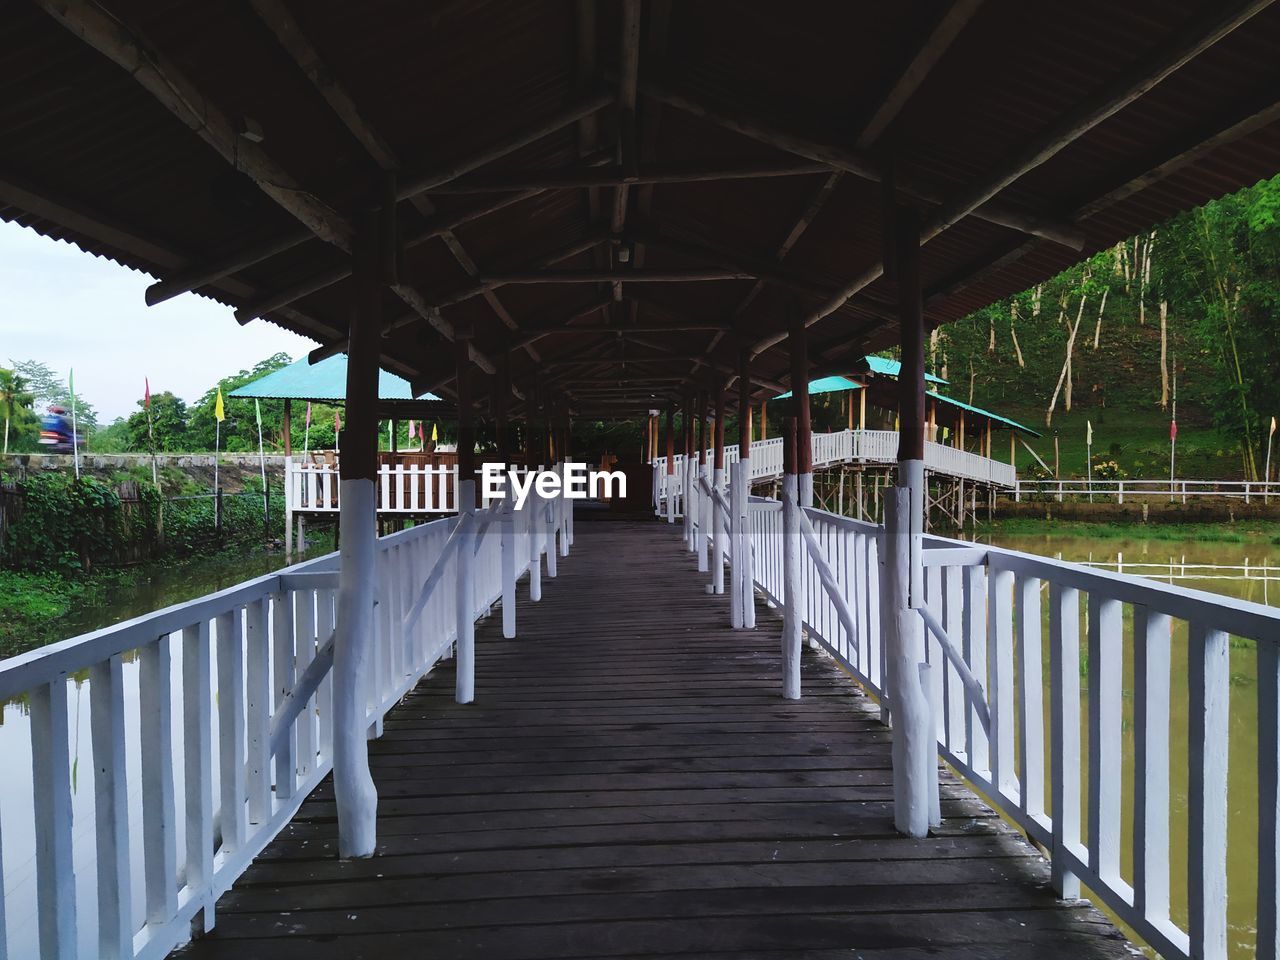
[[629, 783]]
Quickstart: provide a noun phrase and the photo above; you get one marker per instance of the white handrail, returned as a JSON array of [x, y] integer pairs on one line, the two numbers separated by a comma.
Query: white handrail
[[250, 670], [983, 610]]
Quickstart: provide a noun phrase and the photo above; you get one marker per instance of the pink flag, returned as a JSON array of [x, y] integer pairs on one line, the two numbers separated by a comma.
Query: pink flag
[[308, 423], [146, 398], [337, 423]]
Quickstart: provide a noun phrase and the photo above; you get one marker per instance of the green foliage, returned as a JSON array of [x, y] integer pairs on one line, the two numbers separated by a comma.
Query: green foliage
[[240, 429], [63, 523], [1218, 270], [16, 409], [189, 524], [168, 420]]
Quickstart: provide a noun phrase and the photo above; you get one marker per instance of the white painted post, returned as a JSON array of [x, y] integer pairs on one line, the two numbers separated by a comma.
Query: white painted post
[[1030, 695], [914, 744], [706, 513], [464, 597], [258, 710], [197, 759], [533, 507], [564, 508], [51, 789], [1151, 674], [354, 790], [746, 582], [111, 810], [792, 594], [1064, 721], [231, 732], [736, 550], [508, 521], [159, 811], [1210, 683], [550, 516], [284, 667], [1106, 666], [718, 534]]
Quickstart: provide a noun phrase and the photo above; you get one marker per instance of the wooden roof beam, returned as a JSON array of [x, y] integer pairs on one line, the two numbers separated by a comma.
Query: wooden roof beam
[[199, 273], [628, 145], [894, 100], [922, 62], [572, 178], [612, 276], [277, 18], [181, 97], [852, 162], [1258, 112], [1193, 38], [491, 281]]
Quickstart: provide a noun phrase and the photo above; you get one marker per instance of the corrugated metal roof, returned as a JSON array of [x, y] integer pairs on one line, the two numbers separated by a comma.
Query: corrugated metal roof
[[325, 381], [1012, 424], [91, 156], [891, 368], [826, 385]]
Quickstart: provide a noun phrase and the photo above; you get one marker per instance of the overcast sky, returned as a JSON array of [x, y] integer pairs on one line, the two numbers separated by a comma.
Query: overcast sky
[[68, 309]]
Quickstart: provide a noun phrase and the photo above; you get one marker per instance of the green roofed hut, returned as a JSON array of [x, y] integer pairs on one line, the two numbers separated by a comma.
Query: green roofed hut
[[326, 382], [960, 452], [411, 483]]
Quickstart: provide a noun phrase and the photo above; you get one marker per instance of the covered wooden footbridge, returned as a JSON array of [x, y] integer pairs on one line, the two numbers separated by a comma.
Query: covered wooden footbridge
[[551, 209]]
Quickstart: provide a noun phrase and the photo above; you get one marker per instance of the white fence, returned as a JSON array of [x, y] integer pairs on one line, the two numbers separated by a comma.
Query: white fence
[[216, 755], [1069, 662], [1250, 491], [843, 446], [402, 489]]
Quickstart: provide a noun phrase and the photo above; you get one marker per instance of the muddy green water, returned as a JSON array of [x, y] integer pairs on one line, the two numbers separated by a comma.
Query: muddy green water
[[1248, 570]]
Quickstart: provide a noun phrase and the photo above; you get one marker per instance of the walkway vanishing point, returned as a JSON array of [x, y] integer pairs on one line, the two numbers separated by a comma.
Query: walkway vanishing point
[[629, 782]]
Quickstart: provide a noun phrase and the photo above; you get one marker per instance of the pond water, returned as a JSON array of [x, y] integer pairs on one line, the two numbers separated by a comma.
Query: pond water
[[1247, 570], [152, 589]]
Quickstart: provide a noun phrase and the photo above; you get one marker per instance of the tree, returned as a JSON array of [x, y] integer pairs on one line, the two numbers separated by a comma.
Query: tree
[[15, 400], [240, 431], [168, 421]]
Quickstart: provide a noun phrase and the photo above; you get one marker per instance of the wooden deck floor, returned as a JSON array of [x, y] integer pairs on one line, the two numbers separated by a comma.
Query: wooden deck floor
[[629, 783]]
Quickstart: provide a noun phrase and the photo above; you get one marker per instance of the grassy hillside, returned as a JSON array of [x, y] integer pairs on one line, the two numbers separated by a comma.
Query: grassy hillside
[[1116, 387]]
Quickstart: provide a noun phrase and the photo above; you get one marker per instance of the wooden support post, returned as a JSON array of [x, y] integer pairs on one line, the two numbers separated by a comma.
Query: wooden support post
[[687, 476], [718, 544], [744, 589], [354, 791], [914, 748], [704, 472], [798, 346], [862, 409], [286, 427], [464, 598], [791, 556], [670, 480], [764, 420]]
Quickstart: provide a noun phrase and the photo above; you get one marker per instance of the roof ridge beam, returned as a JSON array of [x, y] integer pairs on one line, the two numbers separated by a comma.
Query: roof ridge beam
[[570, 178], [852, 162]]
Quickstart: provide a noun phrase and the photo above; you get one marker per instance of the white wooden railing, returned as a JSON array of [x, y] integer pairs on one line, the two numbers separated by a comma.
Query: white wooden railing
[[402, 489], [843, 446], [217, 754], [1033, 695], [1250, 491]]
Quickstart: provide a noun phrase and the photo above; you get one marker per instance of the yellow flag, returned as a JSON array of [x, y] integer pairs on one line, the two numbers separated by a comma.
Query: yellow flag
[[219, 411], [435, 434]]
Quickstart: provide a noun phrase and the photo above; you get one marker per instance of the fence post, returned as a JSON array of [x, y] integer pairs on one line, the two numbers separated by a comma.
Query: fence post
[[509, 566], [735, 546], [791, 594], [464, 598]]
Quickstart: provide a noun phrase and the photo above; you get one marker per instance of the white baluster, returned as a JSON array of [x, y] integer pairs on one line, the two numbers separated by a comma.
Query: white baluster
[[111, 809], [159, 811], [1210, 682], [197, 758], [51, 787]]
